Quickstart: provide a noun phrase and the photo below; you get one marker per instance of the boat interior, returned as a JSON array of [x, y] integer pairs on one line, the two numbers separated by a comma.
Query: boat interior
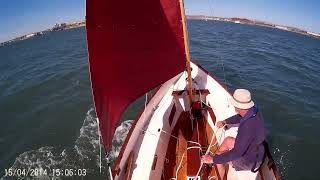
[[169, 136]]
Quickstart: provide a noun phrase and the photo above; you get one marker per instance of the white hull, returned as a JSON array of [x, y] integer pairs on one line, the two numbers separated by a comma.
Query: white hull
[[151, 133]]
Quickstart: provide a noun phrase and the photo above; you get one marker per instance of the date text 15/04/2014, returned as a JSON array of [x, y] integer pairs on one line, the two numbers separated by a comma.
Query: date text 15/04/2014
[[12, 172]]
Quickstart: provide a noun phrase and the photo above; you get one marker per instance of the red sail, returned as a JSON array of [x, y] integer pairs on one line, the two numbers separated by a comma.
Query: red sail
[[134, 46]]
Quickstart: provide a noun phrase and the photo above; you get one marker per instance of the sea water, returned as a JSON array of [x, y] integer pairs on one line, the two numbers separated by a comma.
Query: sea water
[[47, 114]]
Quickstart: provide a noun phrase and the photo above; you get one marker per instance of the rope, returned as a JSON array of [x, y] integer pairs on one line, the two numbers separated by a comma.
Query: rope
[[210, 145], [100, 162], [111, 178], [192, 147], [169, 134], [100, 152], [211, 13], [199, 147], [211, 177]]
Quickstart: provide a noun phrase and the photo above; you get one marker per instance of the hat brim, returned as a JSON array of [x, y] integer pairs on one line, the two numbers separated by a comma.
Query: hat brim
[[241, 105]]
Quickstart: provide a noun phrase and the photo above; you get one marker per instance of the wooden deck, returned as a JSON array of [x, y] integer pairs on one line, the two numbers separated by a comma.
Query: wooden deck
[[189, 159]]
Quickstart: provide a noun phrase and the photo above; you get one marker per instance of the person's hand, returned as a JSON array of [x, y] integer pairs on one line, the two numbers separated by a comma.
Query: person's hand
[[220, 124], [207, 159]]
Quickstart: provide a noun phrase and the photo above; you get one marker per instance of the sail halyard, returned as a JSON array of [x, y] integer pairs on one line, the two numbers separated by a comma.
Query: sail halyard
[[187, 50]]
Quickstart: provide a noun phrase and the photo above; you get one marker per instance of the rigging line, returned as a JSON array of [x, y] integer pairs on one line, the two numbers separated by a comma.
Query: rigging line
[[166, 97], [219, 57], [210, 8], [100, 152], [169, 134], [157, 107], [192, 147], [145, 106], [99, 143], [159, 104], [199, 147], [198, 132], [210, 145], [172, 87]]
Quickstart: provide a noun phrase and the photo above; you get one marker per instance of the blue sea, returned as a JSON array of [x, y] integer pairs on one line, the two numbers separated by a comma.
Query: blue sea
[[47, 114]]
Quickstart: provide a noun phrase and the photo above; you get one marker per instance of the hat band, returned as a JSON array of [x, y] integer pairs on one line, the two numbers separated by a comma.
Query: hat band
[[241, 102]]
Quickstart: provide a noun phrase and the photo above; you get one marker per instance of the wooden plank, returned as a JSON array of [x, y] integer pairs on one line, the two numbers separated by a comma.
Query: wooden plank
[[212, 115], [194, 154], [204, 141], [170, 162], [203, 92], [172, 153], [177, 93], [191, 161], [182, 156], [210, 134], [184, 135], [172, 113], [129, 166]]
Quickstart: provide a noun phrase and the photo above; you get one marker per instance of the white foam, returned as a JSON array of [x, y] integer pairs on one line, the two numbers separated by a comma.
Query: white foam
[[83, 154], [119, 137], [281, 160]]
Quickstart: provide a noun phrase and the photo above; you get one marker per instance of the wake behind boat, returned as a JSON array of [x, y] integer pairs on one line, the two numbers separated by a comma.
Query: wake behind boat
[[134, 48]]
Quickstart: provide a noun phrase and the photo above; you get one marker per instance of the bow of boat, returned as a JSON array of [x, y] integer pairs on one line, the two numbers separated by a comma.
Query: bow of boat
[[167, 139]]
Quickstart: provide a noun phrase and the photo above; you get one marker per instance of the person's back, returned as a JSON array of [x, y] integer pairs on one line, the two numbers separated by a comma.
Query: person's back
[[253, 128], [246, 151], [248, 148]]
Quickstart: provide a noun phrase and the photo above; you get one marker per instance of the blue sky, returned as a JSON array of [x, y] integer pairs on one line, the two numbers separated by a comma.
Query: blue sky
[[303, 14], [19, 17]]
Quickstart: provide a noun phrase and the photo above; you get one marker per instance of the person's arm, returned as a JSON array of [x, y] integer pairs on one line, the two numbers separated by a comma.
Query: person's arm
[[233, 120], [243, 140]]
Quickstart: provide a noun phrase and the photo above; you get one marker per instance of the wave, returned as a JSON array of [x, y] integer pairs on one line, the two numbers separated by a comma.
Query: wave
[[83, 154]]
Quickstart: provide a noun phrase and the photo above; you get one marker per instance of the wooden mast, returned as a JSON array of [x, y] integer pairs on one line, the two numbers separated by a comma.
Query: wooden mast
[[187, 50]]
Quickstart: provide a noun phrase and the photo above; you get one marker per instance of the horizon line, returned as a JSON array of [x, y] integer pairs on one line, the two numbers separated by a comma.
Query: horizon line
[[228, 17]]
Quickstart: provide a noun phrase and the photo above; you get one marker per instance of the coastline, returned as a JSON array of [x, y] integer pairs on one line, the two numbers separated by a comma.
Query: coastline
[[247, 21], [56, 27], [237, 20]]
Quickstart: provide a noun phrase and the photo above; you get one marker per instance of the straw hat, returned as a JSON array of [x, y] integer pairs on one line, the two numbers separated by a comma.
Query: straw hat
[[242, 99]]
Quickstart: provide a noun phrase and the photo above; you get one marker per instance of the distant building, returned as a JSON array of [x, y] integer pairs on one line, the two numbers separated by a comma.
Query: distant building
[[314, 34], [59, 27], [30, 35], [282, 27]]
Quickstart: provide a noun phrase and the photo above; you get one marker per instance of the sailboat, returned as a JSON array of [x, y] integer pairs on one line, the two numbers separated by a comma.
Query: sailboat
[[138, 46]]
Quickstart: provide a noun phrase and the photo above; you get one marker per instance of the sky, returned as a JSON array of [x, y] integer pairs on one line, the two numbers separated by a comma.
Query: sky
[[20, 17]]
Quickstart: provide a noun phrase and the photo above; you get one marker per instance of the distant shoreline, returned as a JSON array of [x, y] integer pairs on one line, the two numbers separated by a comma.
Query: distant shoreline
[[56, 27], [64, 26], [238, 20]]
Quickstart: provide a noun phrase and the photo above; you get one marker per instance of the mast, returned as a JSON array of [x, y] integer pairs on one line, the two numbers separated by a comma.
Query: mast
[[187, 50]]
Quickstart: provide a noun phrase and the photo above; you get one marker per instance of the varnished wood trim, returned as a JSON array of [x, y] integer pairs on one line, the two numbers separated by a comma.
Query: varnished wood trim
[[154, 163], [115, 169], [172, 113], [212, 115], [261, 174], [217, 172], [203, 92], [181, 149], [129, 166]]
